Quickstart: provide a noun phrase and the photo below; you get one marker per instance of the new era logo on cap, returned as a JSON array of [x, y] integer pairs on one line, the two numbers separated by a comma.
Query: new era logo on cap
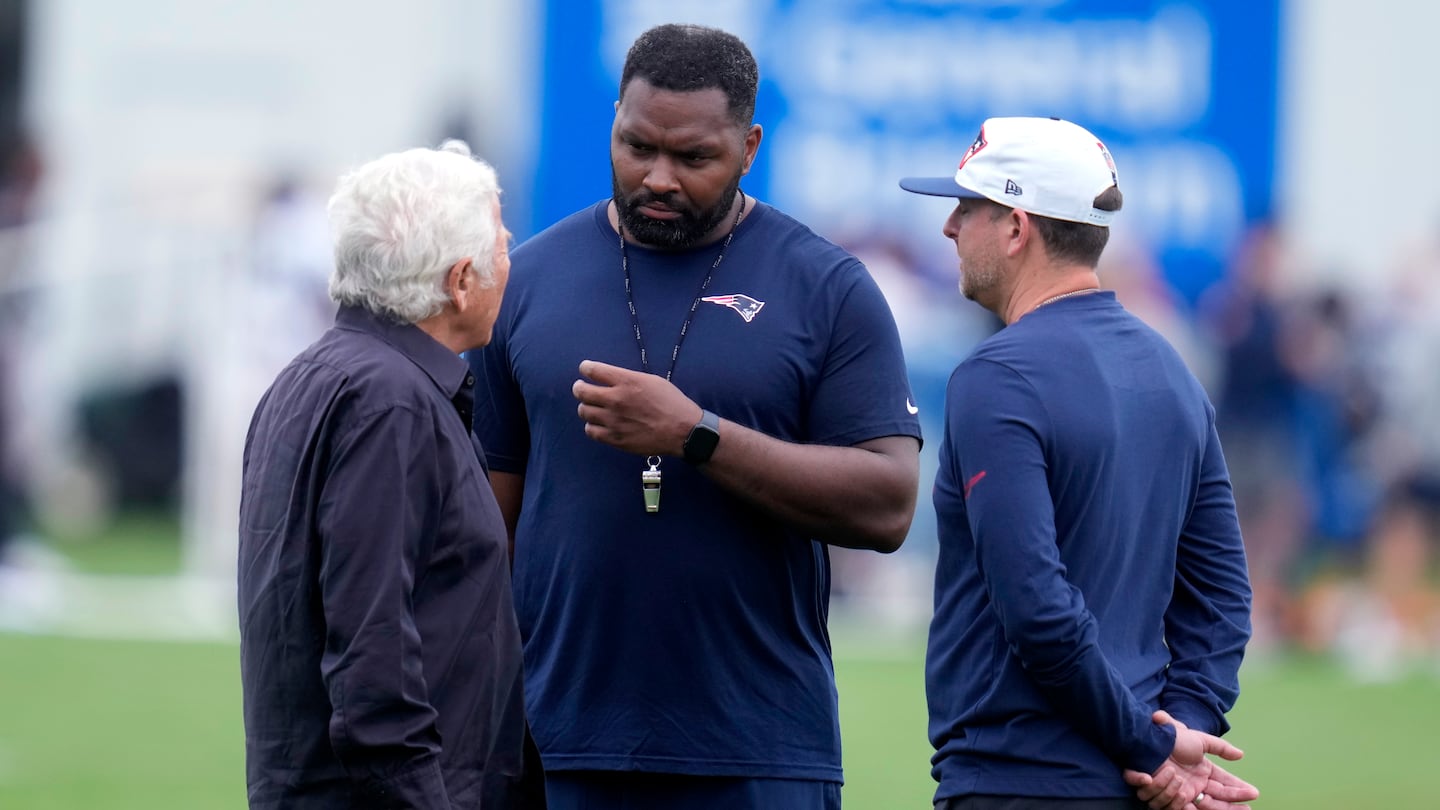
[[1046, 166]]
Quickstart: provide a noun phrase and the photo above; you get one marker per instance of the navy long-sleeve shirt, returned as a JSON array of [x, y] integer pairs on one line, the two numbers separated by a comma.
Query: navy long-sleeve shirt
[[1091, 568], [380, 655]]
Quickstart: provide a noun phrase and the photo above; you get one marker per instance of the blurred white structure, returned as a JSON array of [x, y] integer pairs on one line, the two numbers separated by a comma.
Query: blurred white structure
[[1358, 171], [163, 126]]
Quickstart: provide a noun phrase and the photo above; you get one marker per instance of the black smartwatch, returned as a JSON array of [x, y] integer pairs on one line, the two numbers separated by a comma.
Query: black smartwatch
[[700, 444]]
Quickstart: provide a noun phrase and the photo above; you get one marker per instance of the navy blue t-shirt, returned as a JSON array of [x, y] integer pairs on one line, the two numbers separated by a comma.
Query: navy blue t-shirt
[[1091, 567], [692, 640]]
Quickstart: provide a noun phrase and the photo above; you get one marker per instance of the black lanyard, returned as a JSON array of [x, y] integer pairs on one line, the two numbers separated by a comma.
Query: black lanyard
[[694, 305]]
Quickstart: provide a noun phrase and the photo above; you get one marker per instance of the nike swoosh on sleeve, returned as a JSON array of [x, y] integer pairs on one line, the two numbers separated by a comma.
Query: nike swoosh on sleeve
[[974, 479]]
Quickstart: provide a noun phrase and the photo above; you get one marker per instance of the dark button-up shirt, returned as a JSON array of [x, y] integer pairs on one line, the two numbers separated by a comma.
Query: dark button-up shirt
[[380, 657]]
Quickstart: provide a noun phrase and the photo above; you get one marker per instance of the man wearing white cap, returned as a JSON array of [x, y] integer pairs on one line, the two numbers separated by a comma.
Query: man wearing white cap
[[1091, 599]]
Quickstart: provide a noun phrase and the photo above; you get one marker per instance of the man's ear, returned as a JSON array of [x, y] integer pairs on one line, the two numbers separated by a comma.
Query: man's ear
[[1022, 231], [752, 145], [458, 284]]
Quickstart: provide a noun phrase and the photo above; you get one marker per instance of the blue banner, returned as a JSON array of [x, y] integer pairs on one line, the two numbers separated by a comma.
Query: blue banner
[[857, 93]]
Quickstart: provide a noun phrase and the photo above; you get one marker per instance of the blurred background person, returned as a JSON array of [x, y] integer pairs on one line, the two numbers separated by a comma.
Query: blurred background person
[[1383, 617], [1247, 316], [1328, 350], [20, 177]]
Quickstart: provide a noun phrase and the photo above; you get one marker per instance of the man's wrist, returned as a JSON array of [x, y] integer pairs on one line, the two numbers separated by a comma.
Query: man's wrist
[[704, 437]]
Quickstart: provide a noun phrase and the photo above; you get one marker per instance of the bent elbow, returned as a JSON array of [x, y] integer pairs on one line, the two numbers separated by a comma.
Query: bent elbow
[[895, 522], [890, 534], [889, 545]]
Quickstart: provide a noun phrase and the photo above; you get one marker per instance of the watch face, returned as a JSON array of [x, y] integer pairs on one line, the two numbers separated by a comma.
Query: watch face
[[703, 438]]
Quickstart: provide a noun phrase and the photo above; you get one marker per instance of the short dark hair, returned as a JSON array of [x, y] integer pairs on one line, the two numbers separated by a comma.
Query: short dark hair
[[686, 58], [1079, 242]]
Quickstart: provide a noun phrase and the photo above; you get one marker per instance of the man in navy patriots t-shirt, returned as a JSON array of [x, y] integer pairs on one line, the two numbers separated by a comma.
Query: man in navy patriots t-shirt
[[690, 395], [1091, 598]]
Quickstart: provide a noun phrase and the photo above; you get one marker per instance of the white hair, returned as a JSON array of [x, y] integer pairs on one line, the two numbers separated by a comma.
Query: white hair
[[400, 222]]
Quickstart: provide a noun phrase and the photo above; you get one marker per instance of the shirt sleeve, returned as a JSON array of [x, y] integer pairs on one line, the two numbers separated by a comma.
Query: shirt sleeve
[[1207, 624], [864, 390], [377, 507], [998, 428]]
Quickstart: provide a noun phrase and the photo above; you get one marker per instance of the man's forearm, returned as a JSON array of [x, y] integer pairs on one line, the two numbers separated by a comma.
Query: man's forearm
[[861, 496]]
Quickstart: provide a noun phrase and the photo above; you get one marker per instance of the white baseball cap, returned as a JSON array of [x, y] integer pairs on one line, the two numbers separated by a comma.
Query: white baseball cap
[[1046, 166]]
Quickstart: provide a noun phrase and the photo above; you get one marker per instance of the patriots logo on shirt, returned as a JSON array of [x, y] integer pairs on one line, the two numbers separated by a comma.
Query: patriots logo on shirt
[[745, 305]]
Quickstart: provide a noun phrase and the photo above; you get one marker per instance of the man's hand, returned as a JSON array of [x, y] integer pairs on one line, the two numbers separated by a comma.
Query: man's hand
[[633, 411], [1188, 777]]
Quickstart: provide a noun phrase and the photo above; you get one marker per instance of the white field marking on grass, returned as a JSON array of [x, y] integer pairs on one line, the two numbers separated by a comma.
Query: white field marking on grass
[[138, 608]]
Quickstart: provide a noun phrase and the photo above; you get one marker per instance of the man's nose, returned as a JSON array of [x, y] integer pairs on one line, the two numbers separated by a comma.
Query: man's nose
[[661, 178]]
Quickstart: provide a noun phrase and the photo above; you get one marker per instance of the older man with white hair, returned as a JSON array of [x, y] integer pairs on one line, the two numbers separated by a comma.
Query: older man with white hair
[[380, 655]]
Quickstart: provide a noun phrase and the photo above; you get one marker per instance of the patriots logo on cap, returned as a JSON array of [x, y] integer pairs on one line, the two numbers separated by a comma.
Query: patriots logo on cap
[[745, 305], [980, 143]]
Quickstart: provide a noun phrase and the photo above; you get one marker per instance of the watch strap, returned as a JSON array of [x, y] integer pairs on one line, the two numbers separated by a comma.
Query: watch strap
[[704, 436]]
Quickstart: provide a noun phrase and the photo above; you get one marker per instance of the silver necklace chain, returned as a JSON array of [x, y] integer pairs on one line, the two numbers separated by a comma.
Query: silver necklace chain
[[694, 305]]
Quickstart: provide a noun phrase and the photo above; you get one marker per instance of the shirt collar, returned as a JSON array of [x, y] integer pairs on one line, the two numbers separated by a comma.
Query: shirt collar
[[445, 368]]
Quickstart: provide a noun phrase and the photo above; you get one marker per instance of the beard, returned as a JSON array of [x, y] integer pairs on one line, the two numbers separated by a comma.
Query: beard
[[980, 276], [686, 230]]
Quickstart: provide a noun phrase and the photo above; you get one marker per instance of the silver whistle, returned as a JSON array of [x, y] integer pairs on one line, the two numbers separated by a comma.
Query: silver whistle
[[650, 484]]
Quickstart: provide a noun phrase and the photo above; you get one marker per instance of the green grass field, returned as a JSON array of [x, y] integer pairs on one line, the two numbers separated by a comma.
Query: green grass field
[[121, 725]]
